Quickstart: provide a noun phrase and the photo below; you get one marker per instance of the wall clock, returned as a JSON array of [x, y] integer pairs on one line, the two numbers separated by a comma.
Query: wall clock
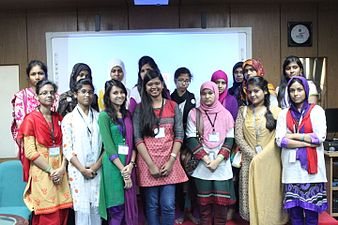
[[299, 34]]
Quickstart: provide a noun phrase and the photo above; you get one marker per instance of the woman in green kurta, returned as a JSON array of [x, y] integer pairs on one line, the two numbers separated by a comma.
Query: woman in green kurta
[[117, 190]]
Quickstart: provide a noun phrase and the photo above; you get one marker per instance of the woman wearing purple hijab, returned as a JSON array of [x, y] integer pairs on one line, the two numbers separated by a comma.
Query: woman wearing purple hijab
[[118, 178], [229, 102], [300, 132]]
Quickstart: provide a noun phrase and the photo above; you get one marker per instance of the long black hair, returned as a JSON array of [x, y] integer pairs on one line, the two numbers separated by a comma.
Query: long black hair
[[148, 118], [263, 85], [284, 78], [109, 108], [77, 68], [142, 61]]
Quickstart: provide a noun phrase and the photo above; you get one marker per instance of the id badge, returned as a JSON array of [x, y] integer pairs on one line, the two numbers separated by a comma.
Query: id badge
[[123, 149], [54, 151], [214, 137], [161, 133], [258, 149], [292, 156]]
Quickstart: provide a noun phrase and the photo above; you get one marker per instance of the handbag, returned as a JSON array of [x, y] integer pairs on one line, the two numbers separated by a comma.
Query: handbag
[[188, 160]]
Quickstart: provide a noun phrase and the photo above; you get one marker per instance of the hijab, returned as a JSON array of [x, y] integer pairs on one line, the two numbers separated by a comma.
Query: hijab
[[296, 114], [256, 64], [117, 62], [223, 122], [219, 74], [77, 68]]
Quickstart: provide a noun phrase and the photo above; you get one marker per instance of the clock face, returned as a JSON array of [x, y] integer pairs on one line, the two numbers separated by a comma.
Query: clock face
[[300, 34]]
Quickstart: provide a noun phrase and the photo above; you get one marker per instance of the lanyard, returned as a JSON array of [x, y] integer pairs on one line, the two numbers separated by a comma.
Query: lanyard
[[51, 130], [160, 117], [211, 123], [89, 132]]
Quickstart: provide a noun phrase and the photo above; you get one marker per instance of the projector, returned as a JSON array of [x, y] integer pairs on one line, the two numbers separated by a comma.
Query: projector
[[331, 145]]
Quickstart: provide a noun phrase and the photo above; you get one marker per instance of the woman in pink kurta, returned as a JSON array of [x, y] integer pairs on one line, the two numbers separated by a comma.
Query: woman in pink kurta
[[158, 134]]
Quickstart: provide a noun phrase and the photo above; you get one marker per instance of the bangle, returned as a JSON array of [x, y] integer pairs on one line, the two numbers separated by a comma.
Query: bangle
[[221, 157], [48, 169], [303, 137], [173, 155]]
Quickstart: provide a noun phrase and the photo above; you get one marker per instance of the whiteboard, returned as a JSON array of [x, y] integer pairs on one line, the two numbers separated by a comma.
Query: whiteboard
[[9, 75], [202, 51]]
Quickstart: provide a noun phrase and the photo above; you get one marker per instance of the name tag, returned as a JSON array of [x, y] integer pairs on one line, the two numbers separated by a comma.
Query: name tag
[[123, 149], [54, 151], [214, 137], [258, 149], [160, 132], [292, 156]]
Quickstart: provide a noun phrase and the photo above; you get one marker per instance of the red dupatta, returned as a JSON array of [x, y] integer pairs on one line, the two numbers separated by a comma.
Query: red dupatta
[[36, 125], [310, 161]]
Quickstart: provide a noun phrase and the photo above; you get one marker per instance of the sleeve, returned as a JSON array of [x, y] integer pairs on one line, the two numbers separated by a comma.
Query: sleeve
[[63, 104], [281, 129], [107, 138], [179, 132], [192, 142], [312, 88], [31, 151], [132, 105], [239, 136], [18, 108], [318, 120], [227, 145], [67, 133]]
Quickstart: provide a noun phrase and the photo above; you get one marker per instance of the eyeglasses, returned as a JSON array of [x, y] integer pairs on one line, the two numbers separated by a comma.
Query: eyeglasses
[[45, 93], [84, 92], [183, 81]]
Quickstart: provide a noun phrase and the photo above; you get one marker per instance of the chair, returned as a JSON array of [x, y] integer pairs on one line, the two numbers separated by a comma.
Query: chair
[[11, 189]]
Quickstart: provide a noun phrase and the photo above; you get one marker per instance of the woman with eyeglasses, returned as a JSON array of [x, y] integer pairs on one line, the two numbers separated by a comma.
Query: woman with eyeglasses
[[118, 180], [47, 192], [26, 100], [82, 148], [67, 100], [186, 101]]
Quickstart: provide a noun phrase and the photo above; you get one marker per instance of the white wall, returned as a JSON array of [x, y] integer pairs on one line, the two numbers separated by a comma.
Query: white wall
[[9, 77]]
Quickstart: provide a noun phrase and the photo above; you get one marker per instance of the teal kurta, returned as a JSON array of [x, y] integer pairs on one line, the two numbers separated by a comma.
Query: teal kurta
[[112, 184]]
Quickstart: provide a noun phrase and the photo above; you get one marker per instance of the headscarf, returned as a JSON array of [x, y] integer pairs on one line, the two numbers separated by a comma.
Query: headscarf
[[219, 74], [256, 64], [295, 112], [236, 84], [119, 63], [300, 121], [224, 121], [77, 68]]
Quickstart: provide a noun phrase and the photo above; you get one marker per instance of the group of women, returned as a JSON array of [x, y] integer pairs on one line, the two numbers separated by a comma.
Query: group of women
[[93, 161]]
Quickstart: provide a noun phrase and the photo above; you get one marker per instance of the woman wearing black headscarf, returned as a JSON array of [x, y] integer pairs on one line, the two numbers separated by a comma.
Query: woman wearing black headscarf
[[67, 100]]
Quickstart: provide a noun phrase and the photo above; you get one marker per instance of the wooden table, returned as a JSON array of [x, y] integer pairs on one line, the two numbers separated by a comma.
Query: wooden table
[[331, 163]]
